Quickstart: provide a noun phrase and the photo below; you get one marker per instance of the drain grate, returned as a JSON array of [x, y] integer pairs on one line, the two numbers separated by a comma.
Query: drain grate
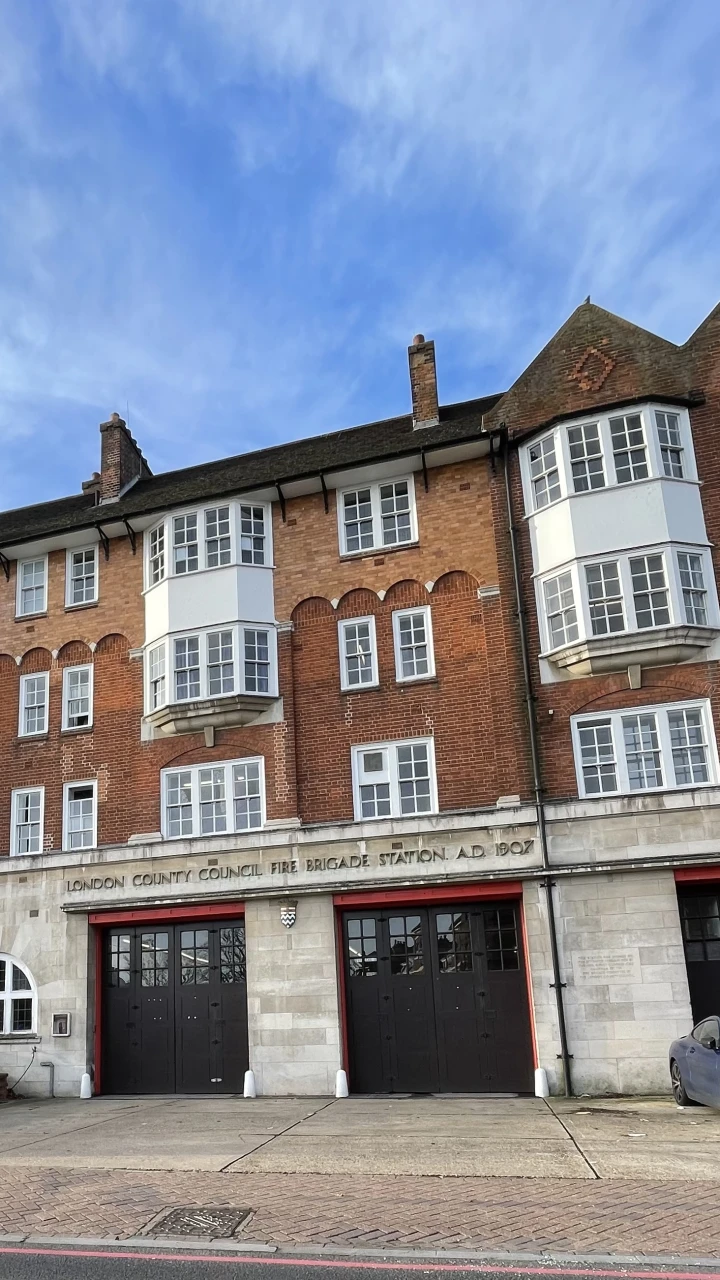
[[203, 1222]]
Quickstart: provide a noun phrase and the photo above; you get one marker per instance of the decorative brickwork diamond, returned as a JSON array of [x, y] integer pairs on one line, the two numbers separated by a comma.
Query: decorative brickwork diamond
[[592, 369]]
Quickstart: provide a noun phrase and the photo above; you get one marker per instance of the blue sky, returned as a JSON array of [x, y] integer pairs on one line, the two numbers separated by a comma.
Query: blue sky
[[233, 215]]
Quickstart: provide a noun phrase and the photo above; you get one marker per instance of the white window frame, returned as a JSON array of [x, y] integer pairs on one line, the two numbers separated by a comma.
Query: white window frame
[[229, 786], [345, 683], [33, 675], [551, 437], [661, 711], [67, 788], [398, 615], [175, 518], [77, 728], [81, 551], [150, 679], [161, 555], [266, 535], [32, 613], [218, 537], [584, 459], [391, 775], [23, 993], [240, 685], [374, 487], [567, 640], [14, 823]]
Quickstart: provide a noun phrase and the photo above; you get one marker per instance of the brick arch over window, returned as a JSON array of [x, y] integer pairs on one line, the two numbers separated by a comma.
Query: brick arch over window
[[455, 582], [405, 593], [311, 610], [114, 642], [74, 653], [38, 659], [357, 603]]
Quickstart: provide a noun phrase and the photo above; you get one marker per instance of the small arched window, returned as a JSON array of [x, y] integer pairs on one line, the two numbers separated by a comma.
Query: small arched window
[[18, 998]]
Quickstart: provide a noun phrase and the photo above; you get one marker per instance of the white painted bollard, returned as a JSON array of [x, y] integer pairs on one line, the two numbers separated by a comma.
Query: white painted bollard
[[249, 1090], [85, 1085], [341, 1085], [542, 1088]]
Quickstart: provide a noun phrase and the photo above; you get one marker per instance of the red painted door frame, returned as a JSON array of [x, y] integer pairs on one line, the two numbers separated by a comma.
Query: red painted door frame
[[689, 875], [100, 920], [429, 894]]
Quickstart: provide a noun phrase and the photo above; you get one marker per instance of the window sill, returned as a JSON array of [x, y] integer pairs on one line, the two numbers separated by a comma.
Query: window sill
[[411, 681], [85, 604], [206, 713], [655, 647], [32, 737], [378, 551], [360, 688], [20, 1037], [75, 729], [30, 617]]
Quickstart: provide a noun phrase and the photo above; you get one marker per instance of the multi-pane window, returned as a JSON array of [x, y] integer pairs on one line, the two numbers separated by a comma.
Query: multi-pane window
[[454, 943], [501, 938], [689, 746], [154, 957], [406, 945], [157, 555], [17, 998], [656, 747], [213, 815], [597, 757], [650, 594], [185, 544], [213, 799], [80, 816], [544, 474], [156, 672], [218, 543], [642, 752], [77, 697], [358, 657], [671, 450], [233, 967], [700, 916], [247, 795], [605, 601], [81, 576], [586, 460], [187, 668], [220, 663], [362, 948], [692, 583], [252, 535], [412, 633], [257, 661], [629, 452], [27, 821], [33, 704], [560, 610], [119, 960], [194, 957], [32, 586], [394, 779], [377, 515], [178, 803]]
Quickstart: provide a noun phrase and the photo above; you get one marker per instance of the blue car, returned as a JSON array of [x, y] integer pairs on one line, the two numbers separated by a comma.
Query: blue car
[[695, 1065]]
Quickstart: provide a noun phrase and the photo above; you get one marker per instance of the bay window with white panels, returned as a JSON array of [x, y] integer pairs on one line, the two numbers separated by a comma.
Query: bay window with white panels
[[630, 595], [210, 537], [642, 749], [394, 779], [235, 660], [214, 799], [377, 517]]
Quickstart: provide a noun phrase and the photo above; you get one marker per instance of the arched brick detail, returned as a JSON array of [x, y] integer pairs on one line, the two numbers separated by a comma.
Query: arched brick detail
[[311, 610], [455, 582], [358, 603], [36, 660], [74, 653], [406, 593]]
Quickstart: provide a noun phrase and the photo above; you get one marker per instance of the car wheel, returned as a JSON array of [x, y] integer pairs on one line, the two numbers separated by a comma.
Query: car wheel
[[682, 1098]]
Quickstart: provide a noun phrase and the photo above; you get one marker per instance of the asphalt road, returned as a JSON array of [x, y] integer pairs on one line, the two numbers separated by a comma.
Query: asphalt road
[[25, 1262]]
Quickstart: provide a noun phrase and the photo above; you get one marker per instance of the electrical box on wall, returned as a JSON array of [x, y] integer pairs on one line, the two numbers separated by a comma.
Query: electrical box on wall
[[61, 1024]]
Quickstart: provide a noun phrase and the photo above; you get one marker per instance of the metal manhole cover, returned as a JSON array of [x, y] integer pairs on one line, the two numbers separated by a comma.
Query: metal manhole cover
[[192, 1221]]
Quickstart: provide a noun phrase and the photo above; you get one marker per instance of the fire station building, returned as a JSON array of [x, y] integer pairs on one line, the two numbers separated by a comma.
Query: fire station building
[[391, 750]]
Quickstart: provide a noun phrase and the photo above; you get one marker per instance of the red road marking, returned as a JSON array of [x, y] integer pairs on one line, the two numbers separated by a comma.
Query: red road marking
[[483, 1268]]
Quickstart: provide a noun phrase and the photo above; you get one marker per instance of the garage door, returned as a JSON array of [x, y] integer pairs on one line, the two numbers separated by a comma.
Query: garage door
[[175, 1008], [700, 917], [437, 1000]]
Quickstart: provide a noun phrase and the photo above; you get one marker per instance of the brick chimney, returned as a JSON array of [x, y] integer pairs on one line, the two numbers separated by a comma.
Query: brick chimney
[[423, 383], [121, 461]]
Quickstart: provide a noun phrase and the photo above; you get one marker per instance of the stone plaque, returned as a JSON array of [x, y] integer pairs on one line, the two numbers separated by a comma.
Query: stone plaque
[[606, 966]]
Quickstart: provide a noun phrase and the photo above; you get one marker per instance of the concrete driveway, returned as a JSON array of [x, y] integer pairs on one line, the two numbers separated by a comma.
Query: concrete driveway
[[447, 1136]]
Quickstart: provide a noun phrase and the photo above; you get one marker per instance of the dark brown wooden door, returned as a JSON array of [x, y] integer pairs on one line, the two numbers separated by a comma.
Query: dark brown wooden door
[[437, 1000], [700, 919], [175, 1009]]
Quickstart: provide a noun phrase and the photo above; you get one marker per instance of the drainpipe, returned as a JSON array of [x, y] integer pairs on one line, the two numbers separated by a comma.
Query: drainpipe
[[557, 984]]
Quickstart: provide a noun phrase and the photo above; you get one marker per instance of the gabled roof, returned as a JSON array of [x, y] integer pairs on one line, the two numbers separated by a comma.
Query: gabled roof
[[335, 451], [594, 358]]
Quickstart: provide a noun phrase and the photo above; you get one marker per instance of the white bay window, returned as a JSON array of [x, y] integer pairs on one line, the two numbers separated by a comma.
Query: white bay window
[[234, 660], [215, 799], [394, 779], [645, 749], [212, 537]]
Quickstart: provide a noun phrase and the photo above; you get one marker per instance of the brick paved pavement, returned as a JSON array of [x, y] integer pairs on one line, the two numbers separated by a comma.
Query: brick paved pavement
[[622, 1216]]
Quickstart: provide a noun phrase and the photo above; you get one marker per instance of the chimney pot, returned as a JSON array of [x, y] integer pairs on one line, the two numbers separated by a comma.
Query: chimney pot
[[423, 383]]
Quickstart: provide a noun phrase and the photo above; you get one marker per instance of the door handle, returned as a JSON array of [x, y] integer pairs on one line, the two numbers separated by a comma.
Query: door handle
[[691, 1050]]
